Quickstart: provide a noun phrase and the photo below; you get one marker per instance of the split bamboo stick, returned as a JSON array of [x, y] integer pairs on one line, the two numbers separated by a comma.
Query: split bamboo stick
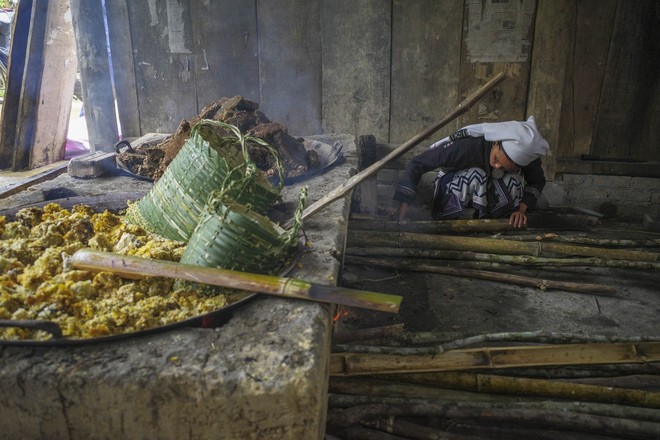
[[520, 386], [576, 239], [541, 283], [130, 266], [496, 357], [540, 337], [454, 340], [432, 226], [398, 426], [490, 245]]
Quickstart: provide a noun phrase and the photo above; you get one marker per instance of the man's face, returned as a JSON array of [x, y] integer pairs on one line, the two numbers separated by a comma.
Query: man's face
[[500, 161]]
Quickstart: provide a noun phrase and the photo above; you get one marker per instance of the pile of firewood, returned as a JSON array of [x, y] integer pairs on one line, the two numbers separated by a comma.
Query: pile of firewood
[[389, 384], [491, 249]]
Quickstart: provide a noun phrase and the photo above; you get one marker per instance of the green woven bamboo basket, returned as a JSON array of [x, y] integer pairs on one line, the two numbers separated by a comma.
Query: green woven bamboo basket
[[233, 236], [206, 162]]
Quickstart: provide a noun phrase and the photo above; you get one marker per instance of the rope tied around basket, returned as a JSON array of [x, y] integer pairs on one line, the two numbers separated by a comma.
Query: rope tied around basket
[[213, 138], [215, 154], [233, 236]]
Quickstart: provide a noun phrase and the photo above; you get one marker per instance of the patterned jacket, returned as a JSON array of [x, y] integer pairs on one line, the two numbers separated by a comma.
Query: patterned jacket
[[461, 153]]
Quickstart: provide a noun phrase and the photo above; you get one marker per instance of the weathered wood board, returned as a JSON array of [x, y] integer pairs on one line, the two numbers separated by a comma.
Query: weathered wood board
[[548, 72], [119, 34], [59, 76], [225, 50], [592, 30], [624, 97], [290, 64], [497, 37], [356, 82], [426, 51], [94, 65], [164, 63], [30, 86], [14, 83]]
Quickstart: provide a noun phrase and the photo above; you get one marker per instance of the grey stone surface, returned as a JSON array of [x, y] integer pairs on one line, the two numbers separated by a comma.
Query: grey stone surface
[[261, 375], [92, 165]]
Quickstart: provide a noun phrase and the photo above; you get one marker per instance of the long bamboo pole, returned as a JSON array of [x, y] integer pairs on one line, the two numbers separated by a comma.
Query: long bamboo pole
[[488, 383], [432, 226], [446, 388], [496, 357], [495, 259], [492, 245], [541, 283], [351, 183], [136, 267]]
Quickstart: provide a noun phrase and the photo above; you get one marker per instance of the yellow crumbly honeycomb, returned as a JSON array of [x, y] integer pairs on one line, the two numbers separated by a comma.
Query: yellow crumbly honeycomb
[[36, 285]]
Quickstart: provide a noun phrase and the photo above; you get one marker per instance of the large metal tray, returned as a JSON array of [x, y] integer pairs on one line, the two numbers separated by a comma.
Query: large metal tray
[[212, 319]]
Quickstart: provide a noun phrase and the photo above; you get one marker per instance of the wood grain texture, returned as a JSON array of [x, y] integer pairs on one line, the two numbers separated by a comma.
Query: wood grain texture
[[356, 82], [426, 51], [225, 50], [123, 68], [164, 64], [94, 65], [290, 64]]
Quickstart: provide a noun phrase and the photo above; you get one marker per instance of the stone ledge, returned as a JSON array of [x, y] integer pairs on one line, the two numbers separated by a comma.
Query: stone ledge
[[261, 375]]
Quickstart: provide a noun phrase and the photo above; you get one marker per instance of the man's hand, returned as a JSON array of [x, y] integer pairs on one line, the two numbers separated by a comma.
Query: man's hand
[[518, 218]]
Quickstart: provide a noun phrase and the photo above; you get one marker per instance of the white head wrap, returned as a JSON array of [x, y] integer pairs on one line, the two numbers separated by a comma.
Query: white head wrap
[[521, 141]]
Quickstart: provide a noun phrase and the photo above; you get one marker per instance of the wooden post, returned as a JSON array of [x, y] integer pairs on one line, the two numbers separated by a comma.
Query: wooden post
[[40, 83], [98, 99], [14, 83], [56, 89], [368, 190], [23, 84], [123, 70]]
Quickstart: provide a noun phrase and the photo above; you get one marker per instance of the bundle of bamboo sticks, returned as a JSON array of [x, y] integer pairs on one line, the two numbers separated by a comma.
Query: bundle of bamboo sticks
[[389, 384], [468, 248]]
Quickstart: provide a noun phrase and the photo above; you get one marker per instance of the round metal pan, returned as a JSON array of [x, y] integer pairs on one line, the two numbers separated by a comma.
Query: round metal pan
[[212, 319], [328, 155]]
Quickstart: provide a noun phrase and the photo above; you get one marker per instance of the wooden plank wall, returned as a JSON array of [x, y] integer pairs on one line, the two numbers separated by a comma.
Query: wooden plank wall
[[426, 58], [356, 82], [392, 67], [232, 22], [94, 66], [612, 90], [164, 63], [40, 81], [624, 101], [290, 63]]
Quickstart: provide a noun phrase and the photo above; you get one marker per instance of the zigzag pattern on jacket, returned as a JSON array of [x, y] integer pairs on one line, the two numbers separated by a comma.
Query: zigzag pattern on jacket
[[513, 186], [474, 177]]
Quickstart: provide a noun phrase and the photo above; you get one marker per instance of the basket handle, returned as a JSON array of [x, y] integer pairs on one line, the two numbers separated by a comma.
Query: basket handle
[[242, 140]]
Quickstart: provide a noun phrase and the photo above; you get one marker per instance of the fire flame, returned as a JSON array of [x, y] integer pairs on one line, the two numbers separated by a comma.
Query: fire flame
[[341, 311]]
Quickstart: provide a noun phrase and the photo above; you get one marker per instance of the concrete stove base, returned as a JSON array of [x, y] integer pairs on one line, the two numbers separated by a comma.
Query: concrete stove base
[[261, 375]]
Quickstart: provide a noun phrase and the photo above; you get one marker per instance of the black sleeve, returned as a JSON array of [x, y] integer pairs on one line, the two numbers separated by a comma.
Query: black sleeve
[[534, 182], [455, 155]]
